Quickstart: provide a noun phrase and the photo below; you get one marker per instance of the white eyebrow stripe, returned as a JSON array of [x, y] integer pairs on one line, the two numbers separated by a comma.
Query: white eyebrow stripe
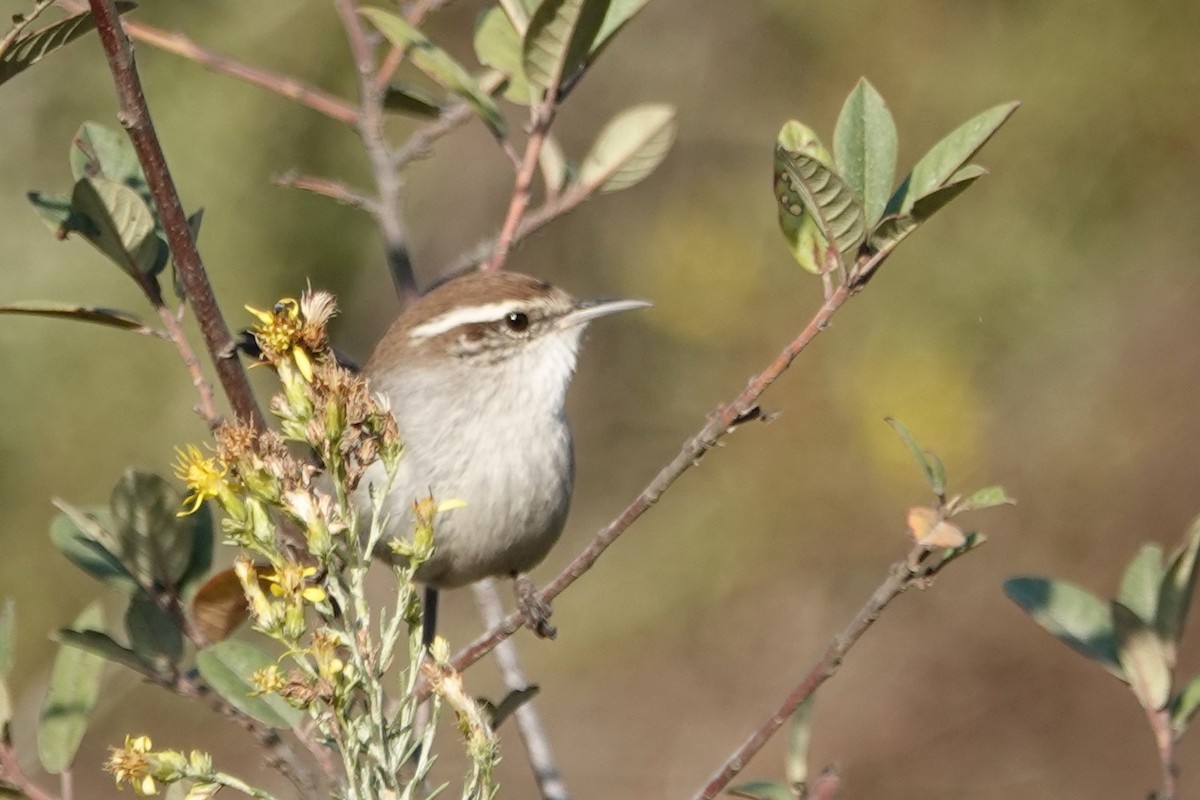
[[488, 312]]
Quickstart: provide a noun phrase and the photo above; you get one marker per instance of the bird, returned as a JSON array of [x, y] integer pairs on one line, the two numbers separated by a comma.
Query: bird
[[476, 373]]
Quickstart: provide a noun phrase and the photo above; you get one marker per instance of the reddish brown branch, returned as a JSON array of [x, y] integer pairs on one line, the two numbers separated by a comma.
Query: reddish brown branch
[[327, 187], [12, 775], [135, 117]]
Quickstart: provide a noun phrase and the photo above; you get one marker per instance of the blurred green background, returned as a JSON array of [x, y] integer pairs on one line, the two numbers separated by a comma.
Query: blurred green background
[[1040, 333]]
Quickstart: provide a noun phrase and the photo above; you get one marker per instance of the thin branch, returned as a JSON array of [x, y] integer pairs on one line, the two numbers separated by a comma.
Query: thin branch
[[452, 118], [12, 775], [1164, 740], [21, 22], [370, 130], [720, 422], [135, 117], [207, 407], [529, 723], [335, 190], [287, 86], [523, 183], [902, 576]]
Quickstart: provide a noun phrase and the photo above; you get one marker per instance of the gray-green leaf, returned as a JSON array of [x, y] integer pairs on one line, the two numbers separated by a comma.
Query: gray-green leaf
[[831, 203], [1185, 706], [1072, 615], [949, 155], [121, 225], [104, 646], [153, 634], [1140, 583], [799, 739], [864, 146], [1142, 657], [83, 537], [33, 47], [101, 152], [559, 40], [895, 227], [70, 698], [987, 497], [151, 540], [227, 666], [111, 317], [1178, 584], [629, 147], [414, 101], [438, 65], [935, 478], [498, 45]]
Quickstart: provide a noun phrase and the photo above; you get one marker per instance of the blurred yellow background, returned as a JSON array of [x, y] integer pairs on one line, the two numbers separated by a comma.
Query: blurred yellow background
[[1039, 333]]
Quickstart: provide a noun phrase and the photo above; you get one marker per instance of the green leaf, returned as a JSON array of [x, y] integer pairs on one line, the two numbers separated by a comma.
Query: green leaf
[[619, 12], [82, 536], [111, 317], [411, 100], [804, 239], [1140, 583], [103, 645], [1175, 593], [70, 698], [1072, 615], [121, 225], [799, 738], [823, 195], [937, 473], [1185, 706], [8, 632], [1143, 658], [629, 147], [33, 47], [947, 157], [200, 560], [55, 210], [100, 152], [987, 497], [227, 666], [762, 790], [927, 468], [864, 146], [518, 13], [151, 540], [153, 635], [895, 227], [498, 45], [559, 41], [438, 65]]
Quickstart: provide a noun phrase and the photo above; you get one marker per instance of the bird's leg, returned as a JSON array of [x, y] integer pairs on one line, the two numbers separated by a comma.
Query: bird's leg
[[535, 612]]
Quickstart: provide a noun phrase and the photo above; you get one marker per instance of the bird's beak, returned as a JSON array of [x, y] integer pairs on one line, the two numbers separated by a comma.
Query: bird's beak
[[587, 310]]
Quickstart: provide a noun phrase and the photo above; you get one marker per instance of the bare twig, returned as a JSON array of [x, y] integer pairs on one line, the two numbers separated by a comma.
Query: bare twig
[[12, 775], [284, 85], [21, 22], [529, 723], [523, 183], [452, 118], [1164, 739], [902, 575], [334, 190], [207, 407], [135, 117], [370, 130]]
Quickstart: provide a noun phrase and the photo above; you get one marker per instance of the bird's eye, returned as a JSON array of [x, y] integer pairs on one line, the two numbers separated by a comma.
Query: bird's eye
[[516, 321]]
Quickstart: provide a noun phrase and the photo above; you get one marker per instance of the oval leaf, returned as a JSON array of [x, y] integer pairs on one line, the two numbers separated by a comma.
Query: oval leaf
[[1072, 615], [987, 497], [82, 537], [1185, 707], [1140, 583], [438, 65], [1178, 585], [559, 40], [949, 155], [498, 45], [831, 203], [227, 667], [153, 635], [104, 646], [120, 224], [70, 698], [101, 152], [799, 739], [101, 316], [1142, 658], [151, 540], [864, 147], [629, 147], [895, 227], [33, 47], [619, 12]]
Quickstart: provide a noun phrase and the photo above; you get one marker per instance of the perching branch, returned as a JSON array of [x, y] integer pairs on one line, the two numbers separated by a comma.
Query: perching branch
[[135, 117]]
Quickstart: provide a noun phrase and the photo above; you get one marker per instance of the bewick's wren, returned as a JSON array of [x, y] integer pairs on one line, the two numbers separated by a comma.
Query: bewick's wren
[[477, 373]]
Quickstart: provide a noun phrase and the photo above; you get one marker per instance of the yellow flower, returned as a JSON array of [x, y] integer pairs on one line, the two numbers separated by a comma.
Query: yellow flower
[[289, 580], [131, 764], [324, 651], [205, 477], [280, 334], [268, 680]]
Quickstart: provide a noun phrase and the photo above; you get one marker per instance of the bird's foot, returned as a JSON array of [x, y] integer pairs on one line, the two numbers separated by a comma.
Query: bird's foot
[[535, 612]]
